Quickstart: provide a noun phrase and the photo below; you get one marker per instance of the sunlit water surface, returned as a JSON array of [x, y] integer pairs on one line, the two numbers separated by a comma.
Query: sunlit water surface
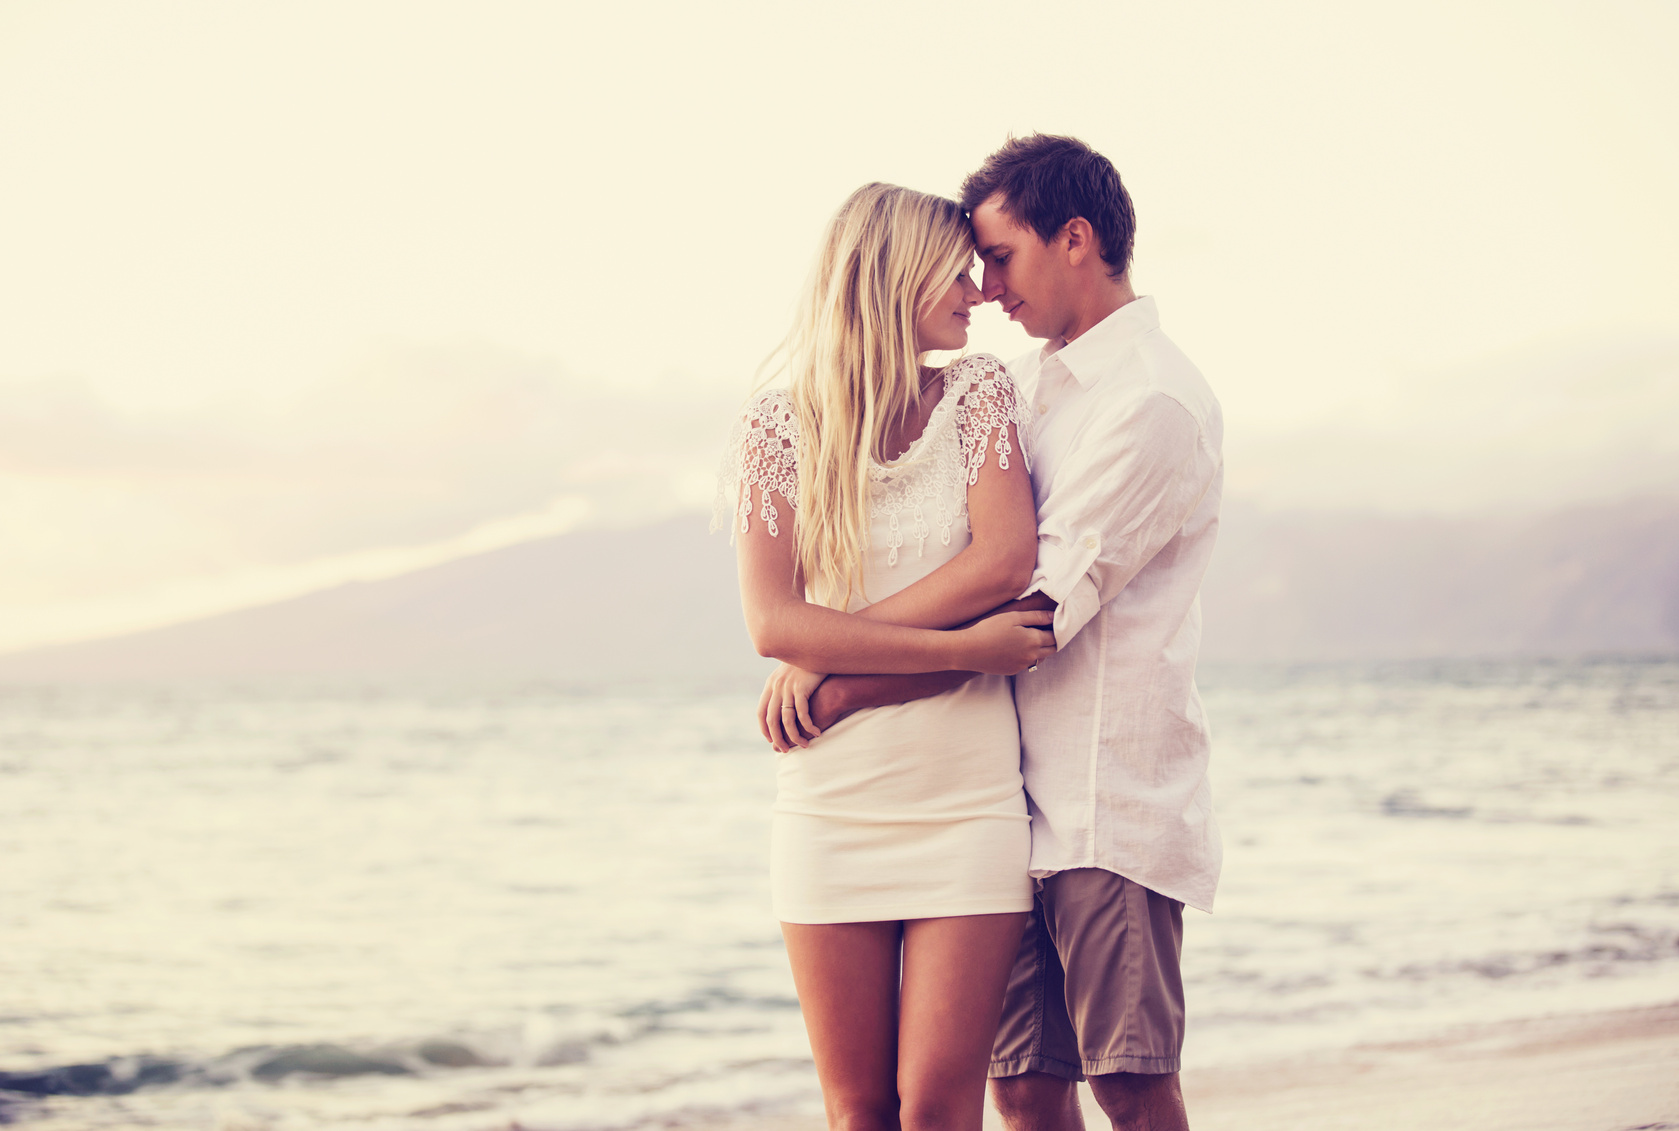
[[469, 908]]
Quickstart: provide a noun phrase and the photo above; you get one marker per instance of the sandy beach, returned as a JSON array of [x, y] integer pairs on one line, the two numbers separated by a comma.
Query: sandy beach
[[1614, 1071], [1611, 1071]]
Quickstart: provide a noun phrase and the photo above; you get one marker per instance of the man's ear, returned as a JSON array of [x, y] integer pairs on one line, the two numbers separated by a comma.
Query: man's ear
[[1081, 240]]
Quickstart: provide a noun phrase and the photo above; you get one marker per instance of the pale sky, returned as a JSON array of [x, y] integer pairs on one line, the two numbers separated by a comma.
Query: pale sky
[[291, 293]]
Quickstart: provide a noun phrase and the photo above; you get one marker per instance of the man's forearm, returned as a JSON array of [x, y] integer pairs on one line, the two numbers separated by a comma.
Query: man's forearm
[[840, 695]]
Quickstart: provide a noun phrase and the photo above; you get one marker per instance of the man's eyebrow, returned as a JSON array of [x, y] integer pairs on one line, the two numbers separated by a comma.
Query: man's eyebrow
[[989, 250]]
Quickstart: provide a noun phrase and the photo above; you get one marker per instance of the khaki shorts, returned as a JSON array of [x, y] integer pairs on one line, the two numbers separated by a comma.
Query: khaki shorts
[[1096, 987]]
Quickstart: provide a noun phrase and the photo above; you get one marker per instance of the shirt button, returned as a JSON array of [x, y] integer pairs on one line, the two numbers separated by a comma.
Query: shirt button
[[1090, 543], [1043, 408]]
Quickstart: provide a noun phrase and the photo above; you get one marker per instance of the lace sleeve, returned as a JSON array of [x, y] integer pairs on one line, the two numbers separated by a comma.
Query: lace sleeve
[[988, 401], [762, 456]]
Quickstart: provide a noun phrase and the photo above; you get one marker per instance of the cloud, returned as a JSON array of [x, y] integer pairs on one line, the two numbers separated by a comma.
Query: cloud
[[120, 520], [59, 426], [1531, 431]]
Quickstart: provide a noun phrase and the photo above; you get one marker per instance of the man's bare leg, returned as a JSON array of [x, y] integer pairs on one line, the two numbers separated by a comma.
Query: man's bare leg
[[1135, 1101], [1037, 1101]]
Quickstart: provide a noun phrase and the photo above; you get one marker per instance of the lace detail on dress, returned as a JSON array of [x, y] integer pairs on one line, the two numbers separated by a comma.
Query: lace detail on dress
[[990, 402], [926, 489], [762, 454], [923, 490], [920, 495]]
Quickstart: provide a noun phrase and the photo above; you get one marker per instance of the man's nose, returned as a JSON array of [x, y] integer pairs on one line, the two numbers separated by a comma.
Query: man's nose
[[992, 285]]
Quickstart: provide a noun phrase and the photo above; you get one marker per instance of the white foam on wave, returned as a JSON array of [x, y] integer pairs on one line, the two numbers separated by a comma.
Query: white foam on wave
[[574, 891]]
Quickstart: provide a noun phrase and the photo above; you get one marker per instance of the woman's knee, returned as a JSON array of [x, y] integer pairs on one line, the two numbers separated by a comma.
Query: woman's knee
[[861, 1112], [932, 1111], [940, 1102]]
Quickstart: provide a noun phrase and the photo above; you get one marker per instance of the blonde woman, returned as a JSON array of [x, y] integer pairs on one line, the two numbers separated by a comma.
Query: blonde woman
[[878, 505]]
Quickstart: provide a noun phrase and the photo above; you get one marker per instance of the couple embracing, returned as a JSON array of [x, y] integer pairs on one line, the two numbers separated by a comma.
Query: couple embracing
[[977, 875]]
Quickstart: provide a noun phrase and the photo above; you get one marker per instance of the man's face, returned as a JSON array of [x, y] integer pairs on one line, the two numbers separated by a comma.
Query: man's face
[[1028, 277]]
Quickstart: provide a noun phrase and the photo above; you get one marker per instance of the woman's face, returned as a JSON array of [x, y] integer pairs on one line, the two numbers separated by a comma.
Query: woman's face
[[944, 326]]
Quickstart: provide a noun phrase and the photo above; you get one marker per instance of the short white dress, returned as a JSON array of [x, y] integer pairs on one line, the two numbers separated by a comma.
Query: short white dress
[[916, 810]]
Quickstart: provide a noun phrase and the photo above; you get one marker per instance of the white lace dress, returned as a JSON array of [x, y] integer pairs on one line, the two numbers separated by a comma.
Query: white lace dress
[[915, 810]]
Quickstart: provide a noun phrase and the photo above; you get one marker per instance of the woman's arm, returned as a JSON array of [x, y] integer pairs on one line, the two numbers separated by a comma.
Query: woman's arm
[[841, 695], [784, 625], [982, 579], [993, 568], [987, 573]]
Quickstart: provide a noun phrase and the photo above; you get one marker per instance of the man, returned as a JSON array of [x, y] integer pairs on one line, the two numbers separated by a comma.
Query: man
[[1127, 474]]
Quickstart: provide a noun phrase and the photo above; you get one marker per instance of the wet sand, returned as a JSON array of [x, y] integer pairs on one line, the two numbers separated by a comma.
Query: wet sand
[[1612, 1071]]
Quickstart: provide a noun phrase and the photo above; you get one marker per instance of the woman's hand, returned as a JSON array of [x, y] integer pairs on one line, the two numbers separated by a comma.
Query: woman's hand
[[784, 707], [1006, 643]]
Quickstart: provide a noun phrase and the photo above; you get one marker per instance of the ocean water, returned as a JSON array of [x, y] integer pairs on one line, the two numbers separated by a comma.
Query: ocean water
[[477, 908]]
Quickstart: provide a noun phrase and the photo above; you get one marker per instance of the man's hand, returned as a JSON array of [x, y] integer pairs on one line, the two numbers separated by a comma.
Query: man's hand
[[784, 707], [828, 703]]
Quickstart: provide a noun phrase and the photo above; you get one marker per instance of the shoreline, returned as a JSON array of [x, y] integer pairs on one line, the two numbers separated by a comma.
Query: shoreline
[[1613, 1070]]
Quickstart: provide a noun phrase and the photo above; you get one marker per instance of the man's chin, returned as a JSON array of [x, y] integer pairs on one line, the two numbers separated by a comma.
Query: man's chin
[[1027, 322]]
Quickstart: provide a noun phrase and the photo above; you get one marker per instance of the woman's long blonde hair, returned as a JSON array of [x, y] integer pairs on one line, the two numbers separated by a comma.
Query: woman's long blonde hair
[[887, 255]]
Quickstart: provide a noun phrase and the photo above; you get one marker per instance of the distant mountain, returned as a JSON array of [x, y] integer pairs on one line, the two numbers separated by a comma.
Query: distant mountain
[[649, 606], [1322, 586], [657, 606]]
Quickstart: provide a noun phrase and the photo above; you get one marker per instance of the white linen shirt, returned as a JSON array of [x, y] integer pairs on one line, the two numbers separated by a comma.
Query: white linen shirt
[[1127, 439]]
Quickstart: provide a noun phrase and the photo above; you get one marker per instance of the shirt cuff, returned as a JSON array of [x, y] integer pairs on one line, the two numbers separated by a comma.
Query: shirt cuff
[[1075, 612], [1064, 574]]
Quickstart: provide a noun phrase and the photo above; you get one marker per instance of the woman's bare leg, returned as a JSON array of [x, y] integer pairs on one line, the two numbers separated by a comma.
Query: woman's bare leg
[[847, 978], [955, 972]]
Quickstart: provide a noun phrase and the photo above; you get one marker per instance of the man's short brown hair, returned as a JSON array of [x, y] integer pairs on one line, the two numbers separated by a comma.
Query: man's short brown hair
[[1045, 180]]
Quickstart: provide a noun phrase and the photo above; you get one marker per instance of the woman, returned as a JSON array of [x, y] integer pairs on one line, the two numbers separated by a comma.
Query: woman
[[892, 501]]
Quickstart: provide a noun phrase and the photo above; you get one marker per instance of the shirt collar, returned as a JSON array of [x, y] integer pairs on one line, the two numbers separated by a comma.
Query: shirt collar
[[1093, 353]]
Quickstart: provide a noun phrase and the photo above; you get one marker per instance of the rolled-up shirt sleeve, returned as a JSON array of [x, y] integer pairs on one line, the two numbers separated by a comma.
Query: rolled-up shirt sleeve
[[1131, 482]]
